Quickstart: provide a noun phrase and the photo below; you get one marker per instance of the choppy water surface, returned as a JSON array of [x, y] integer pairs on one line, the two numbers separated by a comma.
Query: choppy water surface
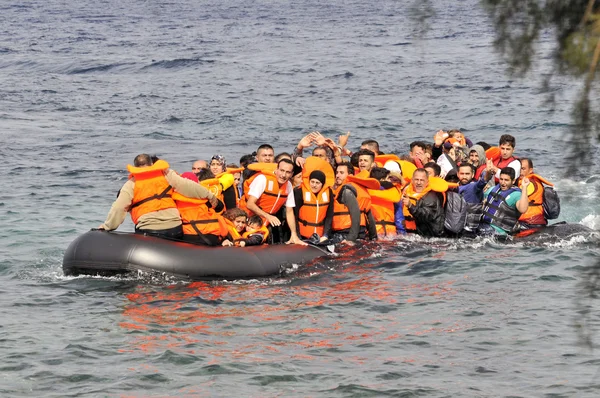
[[87, 86]]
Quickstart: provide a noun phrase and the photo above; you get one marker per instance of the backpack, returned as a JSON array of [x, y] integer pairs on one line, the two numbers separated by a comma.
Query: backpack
[[551, 203], [456, 212]]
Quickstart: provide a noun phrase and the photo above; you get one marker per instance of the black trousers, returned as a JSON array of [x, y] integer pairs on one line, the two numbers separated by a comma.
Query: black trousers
[[171, 233]]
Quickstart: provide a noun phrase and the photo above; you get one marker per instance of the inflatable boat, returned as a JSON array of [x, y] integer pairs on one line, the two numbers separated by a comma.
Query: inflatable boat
[[114, 253]]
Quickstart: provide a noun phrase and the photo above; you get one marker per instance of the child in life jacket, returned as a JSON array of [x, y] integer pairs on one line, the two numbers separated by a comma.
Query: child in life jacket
[[256, 232], [236, 221]]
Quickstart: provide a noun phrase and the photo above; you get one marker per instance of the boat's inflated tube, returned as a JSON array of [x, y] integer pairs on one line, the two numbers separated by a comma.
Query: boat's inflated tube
[[112, 253]]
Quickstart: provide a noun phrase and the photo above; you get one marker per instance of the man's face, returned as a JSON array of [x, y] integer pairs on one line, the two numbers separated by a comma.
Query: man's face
[[474, 158], [265, 155], [505, 182], [237, 177], [320, 153], [506, 151], [465, 175], [430, 172], [284, 172], [341, 173], [198, 165], [417, 152], [365, 162], [525, 169], [420, 181]]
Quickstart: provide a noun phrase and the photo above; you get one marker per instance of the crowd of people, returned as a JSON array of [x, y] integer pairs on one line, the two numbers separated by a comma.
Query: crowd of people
[[447, 187]]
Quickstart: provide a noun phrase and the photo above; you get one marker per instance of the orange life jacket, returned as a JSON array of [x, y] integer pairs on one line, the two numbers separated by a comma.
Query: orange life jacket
[[409, 222], [263, 230], [232, 232], [272, 198], [502, 163], [436, 184], [341, 215], [311, 215], [245, 188], [151, 191], [197, 218], [382, 206], [535, 193]]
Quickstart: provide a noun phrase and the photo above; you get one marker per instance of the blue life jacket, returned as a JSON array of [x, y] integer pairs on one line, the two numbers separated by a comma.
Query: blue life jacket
[[497, 212]]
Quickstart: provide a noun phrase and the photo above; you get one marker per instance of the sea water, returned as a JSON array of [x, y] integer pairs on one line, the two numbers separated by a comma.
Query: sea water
[[85, 86]]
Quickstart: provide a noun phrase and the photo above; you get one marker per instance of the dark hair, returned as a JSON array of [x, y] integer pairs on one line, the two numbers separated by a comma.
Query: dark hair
[[528, 161], [437, 170], [232, 166], [265, 146], [366, 152], [348, 165], [452, 176], [247, 159], [281, 156], [484, 145], [509, 171], [255, 219], [142, 159], [507, 139], [354, 159], [469, 165], [379, 173], [429, 149], [371, 143], [420, 144], [154, 158], [233, 213], [204, 174], [285, 160]]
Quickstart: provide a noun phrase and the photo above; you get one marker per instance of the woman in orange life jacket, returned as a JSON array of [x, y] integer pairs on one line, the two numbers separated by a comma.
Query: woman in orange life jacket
[[352, 215], [201, 223], [147, 195], [236, 220], [313, 210], [534, 216]]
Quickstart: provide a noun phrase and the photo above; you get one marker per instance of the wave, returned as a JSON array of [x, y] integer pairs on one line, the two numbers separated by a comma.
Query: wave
[[172, 119], [178, 63], [97, 68]]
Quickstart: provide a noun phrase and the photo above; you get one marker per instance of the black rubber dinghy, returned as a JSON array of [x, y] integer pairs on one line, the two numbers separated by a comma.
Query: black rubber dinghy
[[113, 253]]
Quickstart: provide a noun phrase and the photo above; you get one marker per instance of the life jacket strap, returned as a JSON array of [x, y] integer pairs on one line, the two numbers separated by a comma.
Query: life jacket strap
[[162, 195], [311, 224]]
